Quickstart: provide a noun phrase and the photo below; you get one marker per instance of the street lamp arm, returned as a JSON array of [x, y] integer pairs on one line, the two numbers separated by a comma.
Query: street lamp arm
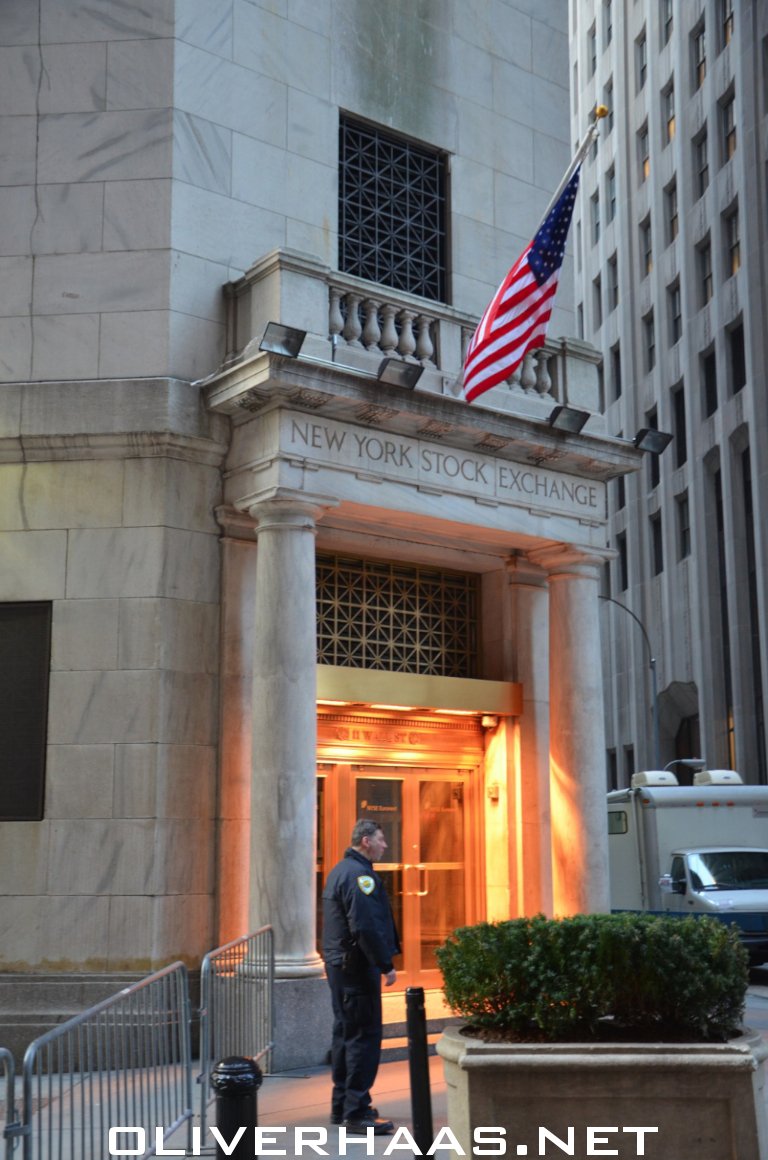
[[654, 685], [638, 622]]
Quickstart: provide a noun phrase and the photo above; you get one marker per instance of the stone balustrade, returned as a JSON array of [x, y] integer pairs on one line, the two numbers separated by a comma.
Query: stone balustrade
[[353, 317]]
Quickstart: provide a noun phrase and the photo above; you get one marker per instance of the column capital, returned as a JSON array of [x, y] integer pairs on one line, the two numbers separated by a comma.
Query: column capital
[[522, 571], [286, 507], [571, 560]]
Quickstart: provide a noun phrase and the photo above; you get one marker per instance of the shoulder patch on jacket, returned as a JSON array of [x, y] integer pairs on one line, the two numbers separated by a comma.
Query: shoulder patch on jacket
[[366, 883]]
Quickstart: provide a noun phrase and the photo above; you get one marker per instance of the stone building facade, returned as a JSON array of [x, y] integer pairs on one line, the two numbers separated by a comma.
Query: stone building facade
[[268, 594]]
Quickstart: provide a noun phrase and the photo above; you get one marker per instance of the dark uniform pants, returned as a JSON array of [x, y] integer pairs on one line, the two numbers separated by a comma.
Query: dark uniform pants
[[356, 1044]]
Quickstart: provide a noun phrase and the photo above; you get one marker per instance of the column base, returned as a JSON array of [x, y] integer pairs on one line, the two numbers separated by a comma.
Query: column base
[[303, 1024], [309, 967]]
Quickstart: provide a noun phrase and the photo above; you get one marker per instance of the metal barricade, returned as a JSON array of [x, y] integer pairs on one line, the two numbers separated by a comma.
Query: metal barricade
[[236, 1006], [9, 1117], [125, 1062]]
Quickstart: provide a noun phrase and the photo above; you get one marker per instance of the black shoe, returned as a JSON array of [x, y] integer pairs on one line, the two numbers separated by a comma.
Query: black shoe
[[380, 1127], [338, 1117]]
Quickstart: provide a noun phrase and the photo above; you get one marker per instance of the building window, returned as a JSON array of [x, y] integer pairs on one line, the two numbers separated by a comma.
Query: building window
[[613, 282], [699, 56], [709, 382], [657, 544], [629, 763], [728, 126], [25, 663], [675, 313], [643, 153], [678, 425], [668, 113], [396, 617], [649, 343], [732, 242], [607, 22], [671, 213], [726, 22], [701, 163], [597, 301], [612, 770], [616, 370], [608, 102], [580, 320], [594, 211], [653, 461], [646, 246], [665, 20], [610, 194], [641, 60], [592, 50], [704, 264], [621, 561], [683, 526], [737, 365], [392, 211]]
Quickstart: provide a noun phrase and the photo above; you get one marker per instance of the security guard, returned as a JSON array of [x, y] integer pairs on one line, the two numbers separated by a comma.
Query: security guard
[[359, 942]]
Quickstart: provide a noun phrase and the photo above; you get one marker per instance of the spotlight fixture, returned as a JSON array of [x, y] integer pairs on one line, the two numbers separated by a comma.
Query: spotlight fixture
[[398, 373], [288, 340], [649, 439], [564, 418], [279, 339]]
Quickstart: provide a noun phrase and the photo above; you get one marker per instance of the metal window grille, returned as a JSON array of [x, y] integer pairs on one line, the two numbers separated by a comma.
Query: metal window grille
[[392, 211], [396, 617]]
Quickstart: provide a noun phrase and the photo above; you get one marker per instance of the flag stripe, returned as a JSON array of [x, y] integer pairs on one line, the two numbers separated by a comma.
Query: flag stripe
[[515, 320]]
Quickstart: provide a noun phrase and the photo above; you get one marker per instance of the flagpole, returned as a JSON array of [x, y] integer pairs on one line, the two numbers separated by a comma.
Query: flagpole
[[600, 112]]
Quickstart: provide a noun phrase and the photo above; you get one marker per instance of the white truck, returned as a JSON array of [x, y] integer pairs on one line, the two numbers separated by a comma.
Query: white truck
[[700, 849]]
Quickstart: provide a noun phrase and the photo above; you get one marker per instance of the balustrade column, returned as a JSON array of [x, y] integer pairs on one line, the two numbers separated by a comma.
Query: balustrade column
[[283, 789], [577, 734]]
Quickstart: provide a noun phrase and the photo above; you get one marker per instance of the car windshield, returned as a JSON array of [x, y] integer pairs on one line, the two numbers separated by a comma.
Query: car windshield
[[729, 870]]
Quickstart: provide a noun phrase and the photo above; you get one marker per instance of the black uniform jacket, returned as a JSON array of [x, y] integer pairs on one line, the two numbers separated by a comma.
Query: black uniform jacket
[[357, 916]]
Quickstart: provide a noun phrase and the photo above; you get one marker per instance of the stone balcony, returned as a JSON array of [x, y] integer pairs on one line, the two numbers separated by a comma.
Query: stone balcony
[[357, 323]]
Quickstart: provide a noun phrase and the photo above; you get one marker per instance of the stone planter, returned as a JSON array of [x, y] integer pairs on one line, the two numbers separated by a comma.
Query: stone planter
[[706, 1099]]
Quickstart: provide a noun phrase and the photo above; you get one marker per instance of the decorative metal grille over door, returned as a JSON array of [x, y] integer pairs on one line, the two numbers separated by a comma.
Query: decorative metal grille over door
[[396, 617], [391, 211]]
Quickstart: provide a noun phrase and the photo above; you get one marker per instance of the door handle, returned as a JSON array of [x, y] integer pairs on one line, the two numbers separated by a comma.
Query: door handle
[[422, 869]]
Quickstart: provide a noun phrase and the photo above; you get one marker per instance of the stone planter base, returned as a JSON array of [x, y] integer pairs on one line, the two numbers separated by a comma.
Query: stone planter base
[[708, 1101]]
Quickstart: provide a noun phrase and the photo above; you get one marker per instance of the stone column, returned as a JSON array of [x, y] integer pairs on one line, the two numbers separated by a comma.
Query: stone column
[[528, 663], [283, 793], [577, 735]]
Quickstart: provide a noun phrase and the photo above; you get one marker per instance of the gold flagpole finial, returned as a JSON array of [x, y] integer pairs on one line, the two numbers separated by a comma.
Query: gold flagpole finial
[[601, 111]]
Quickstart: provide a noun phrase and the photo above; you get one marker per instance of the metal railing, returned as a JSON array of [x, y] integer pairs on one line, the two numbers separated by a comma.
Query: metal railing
[[8, 1118], [236, 1006], [124, 1062]]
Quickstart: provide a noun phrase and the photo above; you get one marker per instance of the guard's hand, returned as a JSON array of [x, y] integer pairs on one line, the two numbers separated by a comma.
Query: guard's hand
[[390, 978]]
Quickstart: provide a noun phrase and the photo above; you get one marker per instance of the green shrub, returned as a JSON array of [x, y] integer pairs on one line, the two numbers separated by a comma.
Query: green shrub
[[597, 975]]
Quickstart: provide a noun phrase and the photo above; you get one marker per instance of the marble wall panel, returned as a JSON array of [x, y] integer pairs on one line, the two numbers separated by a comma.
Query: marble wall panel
[[207, 26], [88, 708], [195, 287], [179, 580], [472, 186], [319, 241], [135, 781], [271, 46], [274, 178], [117, 406], [140, 74], [65, 495], [19, 75], [183, 857], [171, 492], [202, 152], [71, 21], [115, 562], [15, 285], [18, 155], [313, 14], [127, 933], [492, 23], [227, 94], [536, 102], [517, 206], [74, 78], [183, 928], [86, 283], [137, 214], [79, 781], [33, 565], [188, 708], [549, 57], [53, 933], [312, 127], [224, 230], [69, 219], [197, 345], [10, 412], [17, 217], [23, 857], [186, 783], [179, 635], [84, 635], [134, 344], [91, 856], [18, 22], [105, 146], [68, 344]]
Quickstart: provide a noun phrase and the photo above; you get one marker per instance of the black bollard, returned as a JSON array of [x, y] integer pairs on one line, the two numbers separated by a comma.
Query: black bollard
[[236, 1081], [418, 1066]]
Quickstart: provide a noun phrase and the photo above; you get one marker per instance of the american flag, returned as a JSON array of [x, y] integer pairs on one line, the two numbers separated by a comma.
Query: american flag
[[516, 319]]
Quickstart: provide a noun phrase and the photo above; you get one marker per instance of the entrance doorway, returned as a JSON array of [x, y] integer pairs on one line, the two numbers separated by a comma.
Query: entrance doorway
[[427, 815]]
